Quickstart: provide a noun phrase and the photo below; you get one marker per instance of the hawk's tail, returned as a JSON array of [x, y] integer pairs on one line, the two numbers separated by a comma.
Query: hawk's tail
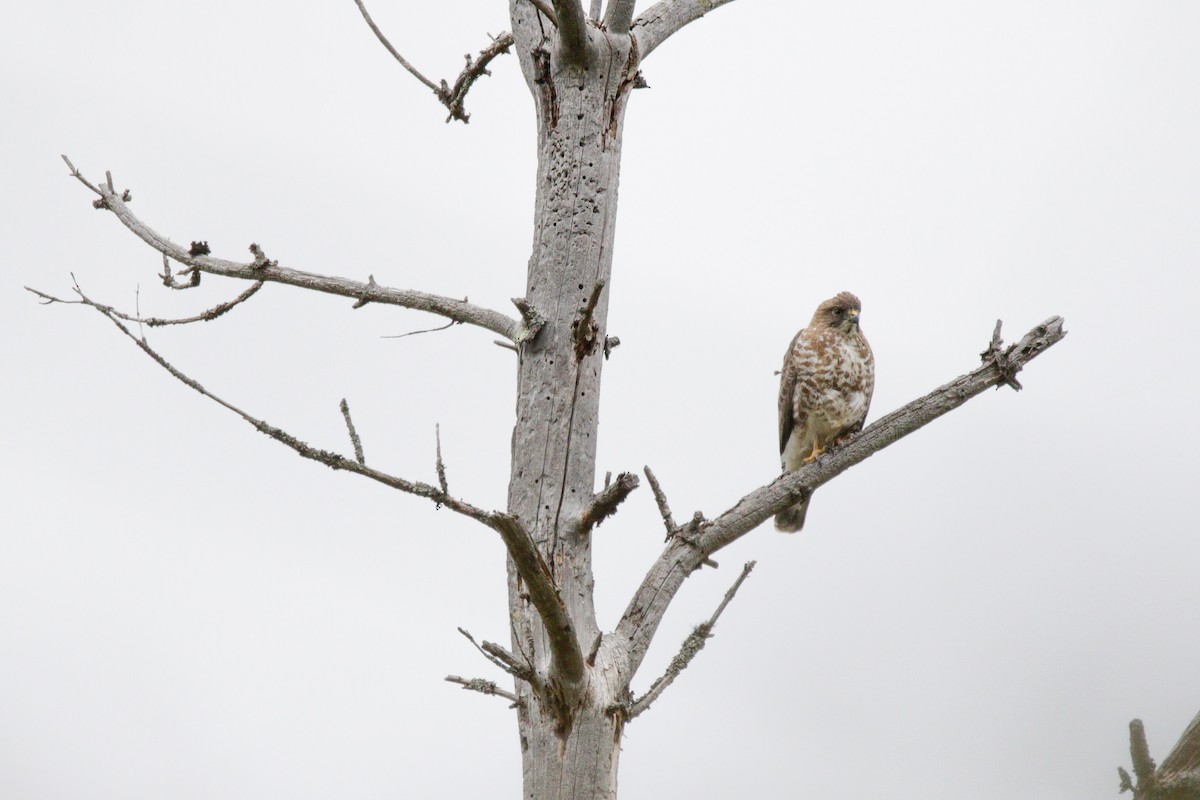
[[791, 520]]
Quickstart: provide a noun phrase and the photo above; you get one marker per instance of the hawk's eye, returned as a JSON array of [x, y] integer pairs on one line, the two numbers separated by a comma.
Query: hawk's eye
[[837, 312]]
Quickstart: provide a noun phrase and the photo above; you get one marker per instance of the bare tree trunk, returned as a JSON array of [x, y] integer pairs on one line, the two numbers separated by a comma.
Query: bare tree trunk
[[569, 738]]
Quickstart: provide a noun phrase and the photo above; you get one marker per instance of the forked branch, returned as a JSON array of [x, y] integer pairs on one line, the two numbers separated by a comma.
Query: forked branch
[[261, 269], [452, 97], [567, 660], [326, 457], [684, 554], [692, 645], [501, 658], [157, 322]]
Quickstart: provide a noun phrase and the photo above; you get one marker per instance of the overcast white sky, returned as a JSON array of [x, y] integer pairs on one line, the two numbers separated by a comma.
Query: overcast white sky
[[187, 610]]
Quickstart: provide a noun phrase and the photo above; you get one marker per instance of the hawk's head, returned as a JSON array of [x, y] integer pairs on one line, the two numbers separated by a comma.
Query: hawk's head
[[839, 313]]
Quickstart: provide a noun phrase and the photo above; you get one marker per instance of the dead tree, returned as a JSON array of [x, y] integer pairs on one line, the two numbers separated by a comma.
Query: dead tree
[[572, 681]]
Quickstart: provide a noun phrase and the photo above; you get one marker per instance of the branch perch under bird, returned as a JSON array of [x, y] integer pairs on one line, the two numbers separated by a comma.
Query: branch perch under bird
[[198, 259], [685, 553]]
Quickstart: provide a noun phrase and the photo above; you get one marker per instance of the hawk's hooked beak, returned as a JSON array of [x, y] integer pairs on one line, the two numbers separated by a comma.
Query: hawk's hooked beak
[[853, 315]]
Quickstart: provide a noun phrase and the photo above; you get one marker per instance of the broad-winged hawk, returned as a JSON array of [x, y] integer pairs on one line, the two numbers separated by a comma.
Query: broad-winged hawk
[[824, 392]]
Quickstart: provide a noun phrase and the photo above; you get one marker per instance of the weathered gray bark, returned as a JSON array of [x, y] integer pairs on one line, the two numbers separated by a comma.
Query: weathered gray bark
[[569, 738]]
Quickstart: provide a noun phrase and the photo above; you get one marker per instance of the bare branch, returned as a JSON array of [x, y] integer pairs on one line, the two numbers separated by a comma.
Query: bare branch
[[265, 270], [594, 13], [685, 554], [566, 655], [484, 687], [451, 97], [433, 87], [493, 520], [572, 30], [618, 16], [425, 330], [475, 68], [501, 658], [656, 24], [604, 503], [692, 645], [158, 322], [354, 440], [567, 661], [661, 499]]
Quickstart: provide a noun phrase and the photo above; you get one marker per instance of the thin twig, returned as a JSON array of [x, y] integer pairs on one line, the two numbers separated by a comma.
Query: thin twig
[[501, 658], [492, 519], [137, 309], [484, 687], [451, 97], [157, 322], [692, 645], [426, 330], [354, 440], [396, 53]]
